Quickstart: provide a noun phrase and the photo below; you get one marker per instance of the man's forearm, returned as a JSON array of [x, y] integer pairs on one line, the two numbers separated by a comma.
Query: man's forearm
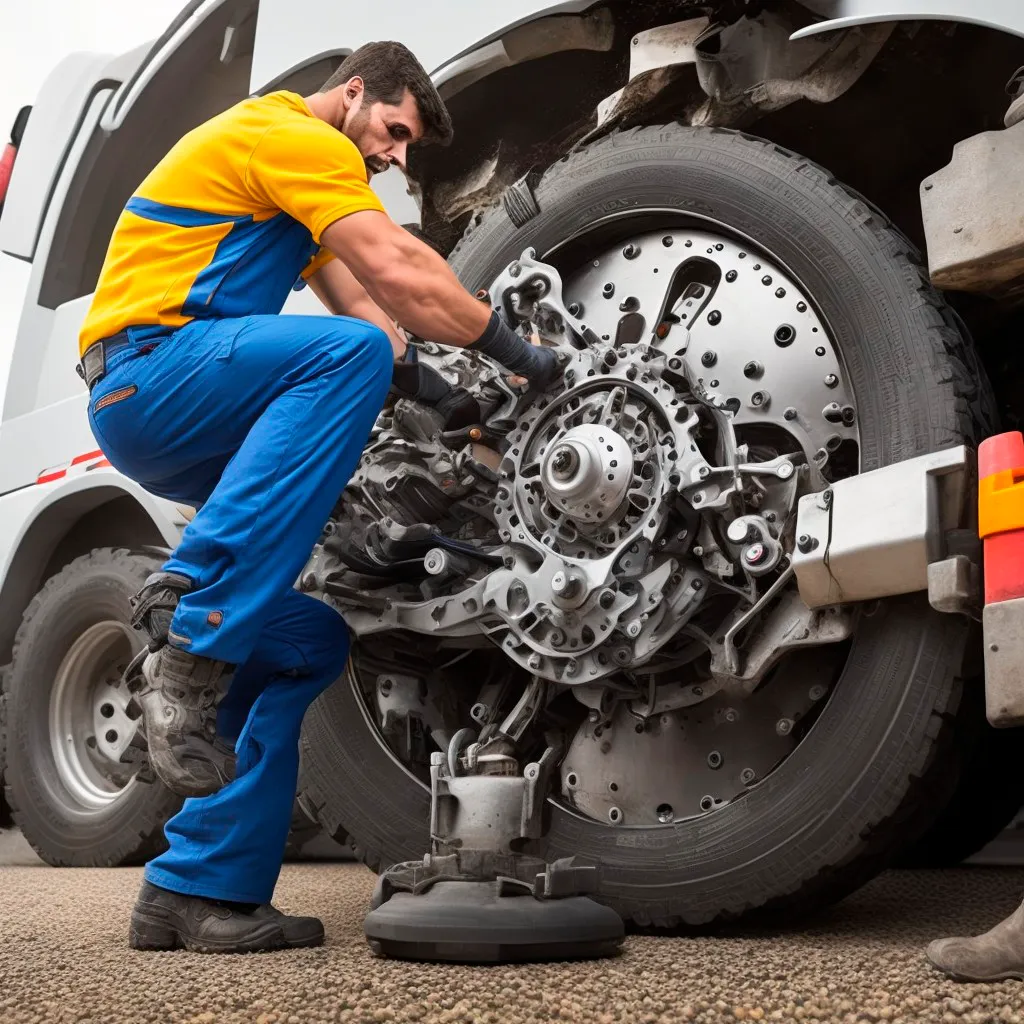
[[369, 311]]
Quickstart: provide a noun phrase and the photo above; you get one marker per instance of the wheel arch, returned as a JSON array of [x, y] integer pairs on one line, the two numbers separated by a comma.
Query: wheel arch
[[834, 123], [72, 519]]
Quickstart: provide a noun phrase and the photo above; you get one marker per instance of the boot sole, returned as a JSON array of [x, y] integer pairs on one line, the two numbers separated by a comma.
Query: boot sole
[[152, 934], [977, 979]]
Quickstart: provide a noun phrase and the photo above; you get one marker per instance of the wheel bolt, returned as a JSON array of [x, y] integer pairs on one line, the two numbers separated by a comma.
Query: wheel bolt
[[709, 358], [753, 369], [631, 251], [755, 554], [831, 380], [784, 726], [731, 276], [790, 413], [714, 317]]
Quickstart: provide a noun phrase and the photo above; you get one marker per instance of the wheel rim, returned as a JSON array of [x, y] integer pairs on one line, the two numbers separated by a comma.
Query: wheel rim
[[89, 726], [572, 256]]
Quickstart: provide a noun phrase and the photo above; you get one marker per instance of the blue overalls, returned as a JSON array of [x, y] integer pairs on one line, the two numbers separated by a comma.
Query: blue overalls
[[259, 421]]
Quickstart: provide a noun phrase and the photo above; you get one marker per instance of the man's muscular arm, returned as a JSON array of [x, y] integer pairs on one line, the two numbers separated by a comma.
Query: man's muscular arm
[[407, 279], [336, 287]]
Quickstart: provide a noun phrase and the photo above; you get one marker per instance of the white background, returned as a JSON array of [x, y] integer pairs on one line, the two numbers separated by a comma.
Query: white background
[[32, 41]]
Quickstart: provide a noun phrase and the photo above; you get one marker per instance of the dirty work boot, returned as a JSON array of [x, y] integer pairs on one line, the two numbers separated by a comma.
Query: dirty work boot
[[178, 694], [993, 956], [163, 919]]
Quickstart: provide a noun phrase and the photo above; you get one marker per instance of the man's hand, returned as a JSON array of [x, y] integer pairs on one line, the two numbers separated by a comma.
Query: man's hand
[[415, 380]]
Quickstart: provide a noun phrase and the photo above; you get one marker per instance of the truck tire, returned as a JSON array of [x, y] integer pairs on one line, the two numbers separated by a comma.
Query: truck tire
[[989, 791], [872, 772], [75, 808], [6, 821]]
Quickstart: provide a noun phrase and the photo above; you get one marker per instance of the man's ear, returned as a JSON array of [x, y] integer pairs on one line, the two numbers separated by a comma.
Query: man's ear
[[353, 88]]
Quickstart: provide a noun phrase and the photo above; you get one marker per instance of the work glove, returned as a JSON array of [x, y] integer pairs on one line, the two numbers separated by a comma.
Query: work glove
[[415, 380], [541, 366]]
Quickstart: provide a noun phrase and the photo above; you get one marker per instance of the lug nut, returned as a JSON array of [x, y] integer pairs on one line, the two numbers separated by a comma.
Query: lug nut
[[608, 290], [766, 280], [760, 399], [801, 307], [731, 276], [575, 308], [675, 363], [820, 350], [747, 776], [753, 369], [709, 358], [831, 380], [784, 726], [714, 759], [667, 241], [790, 413], [780, 293], [714, 317], [805, 543], [631, 251]]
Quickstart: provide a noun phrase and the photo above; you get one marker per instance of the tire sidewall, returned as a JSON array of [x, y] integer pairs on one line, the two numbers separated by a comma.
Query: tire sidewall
[[93, 589]]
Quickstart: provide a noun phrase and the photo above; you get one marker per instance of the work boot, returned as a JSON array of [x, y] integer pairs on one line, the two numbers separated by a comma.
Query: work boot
[[162, 919], [178, 694], [993, 956]]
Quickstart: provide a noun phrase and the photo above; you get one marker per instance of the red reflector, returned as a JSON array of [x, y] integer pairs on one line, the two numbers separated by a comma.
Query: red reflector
[[6, 166]]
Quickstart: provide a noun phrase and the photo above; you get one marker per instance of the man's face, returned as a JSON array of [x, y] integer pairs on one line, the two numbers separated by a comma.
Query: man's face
[[383, 132]]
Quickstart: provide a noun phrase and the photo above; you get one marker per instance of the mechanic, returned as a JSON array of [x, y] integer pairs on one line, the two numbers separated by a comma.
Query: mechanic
[[202, 393]]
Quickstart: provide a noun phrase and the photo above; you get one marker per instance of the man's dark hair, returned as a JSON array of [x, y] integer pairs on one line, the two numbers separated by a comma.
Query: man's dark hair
[[387, 70]]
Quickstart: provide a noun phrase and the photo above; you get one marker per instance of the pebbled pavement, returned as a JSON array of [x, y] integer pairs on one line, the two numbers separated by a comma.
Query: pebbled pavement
[[63, 958]]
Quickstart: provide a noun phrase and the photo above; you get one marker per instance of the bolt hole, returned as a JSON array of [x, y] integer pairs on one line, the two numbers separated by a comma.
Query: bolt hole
[[572, 780], [665, 813], [613, 786], [706, 803]]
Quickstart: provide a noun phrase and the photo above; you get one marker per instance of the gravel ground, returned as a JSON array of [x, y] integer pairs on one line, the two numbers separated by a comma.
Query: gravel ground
[[63, 958]]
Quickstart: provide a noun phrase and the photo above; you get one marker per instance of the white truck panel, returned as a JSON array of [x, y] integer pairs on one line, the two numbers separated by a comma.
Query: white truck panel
[[1006, 15], [289, 32], [53, 128]]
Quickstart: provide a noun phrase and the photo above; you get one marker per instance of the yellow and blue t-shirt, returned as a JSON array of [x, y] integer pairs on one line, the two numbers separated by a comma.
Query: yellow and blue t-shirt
[[229, 221]]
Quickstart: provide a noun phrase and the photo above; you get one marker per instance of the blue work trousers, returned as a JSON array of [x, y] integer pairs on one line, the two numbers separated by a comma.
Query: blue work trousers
[[259, 422]]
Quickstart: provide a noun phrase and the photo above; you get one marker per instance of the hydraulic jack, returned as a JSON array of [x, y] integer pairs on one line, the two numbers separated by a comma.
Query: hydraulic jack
[[476, 896]]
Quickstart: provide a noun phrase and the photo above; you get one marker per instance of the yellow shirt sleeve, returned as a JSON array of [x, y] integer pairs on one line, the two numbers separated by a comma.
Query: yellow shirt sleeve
[[311, 171]]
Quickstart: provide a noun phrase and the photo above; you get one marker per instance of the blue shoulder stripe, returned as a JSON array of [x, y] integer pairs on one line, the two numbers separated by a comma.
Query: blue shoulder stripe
[[180, 216]]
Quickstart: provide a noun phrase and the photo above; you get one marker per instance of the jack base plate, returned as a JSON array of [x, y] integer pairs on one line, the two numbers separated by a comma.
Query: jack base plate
[[470, 922]]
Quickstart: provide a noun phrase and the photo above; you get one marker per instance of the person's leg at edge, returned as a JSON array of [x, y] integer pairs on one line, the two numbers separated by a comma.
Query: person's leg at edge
[[211, 889], [250, 539]]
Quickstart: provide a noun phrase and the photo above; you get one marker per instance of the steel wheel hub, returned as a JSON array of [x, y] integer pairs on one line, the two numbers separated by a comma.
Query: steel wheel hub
[[89, 725]]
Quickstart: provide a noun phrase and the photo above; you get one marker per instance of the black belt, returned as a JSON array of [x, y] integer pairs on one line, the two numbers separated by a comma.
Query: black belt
[[93, 367]]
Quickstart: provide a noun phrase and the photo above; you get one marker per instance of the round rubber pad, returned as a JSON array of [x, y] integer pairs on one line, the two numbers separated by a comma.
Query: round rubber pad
[[469, 922]]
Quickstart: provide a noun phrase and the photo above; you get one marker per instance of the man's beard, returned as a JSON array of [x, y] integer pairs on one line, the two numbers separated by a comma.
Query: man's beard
[[376, 165]]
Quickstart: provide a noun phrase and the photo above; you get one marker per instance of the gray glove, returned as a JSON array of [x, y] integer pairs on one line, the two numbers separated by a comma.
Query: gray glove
[[540, 366]]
